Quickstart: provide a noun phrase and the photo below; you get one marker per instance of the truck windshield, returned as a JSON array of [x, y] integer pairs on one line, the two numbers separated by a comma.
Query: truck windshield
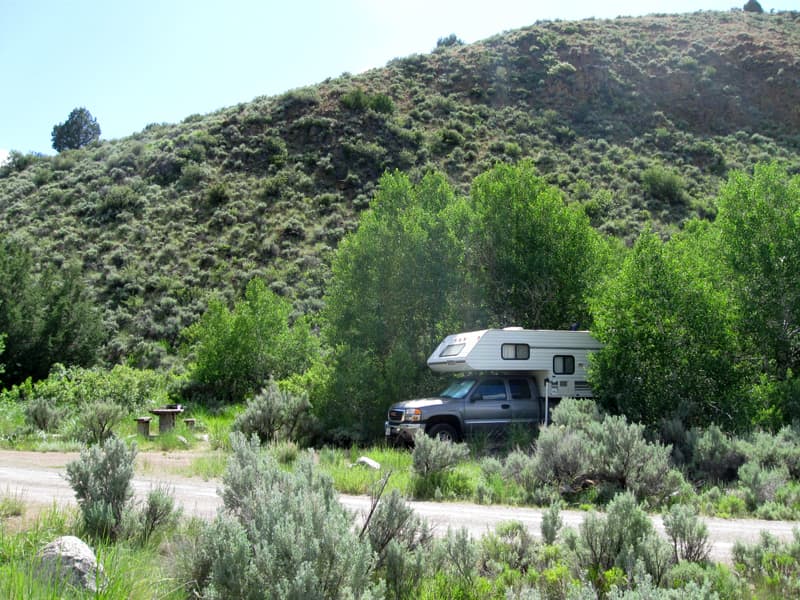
[[458, 388]]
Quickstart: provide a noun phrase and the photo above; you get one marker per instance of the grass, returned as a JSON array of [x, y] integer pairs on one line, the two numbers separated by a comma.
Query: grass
[[131, 572]]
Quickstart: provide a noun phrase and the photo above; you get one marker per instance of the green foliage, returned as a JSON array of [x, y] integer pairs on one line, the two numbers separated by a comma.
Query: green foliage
[[620, 539], [688, 534], [42, 414], [281, 535], [669, 348], [358, 100], [274, 414], [432, 456], [551, 523], [716, 457], [758, 218], [98, 419], [582, 449], [46, 315], [77, 131], [535, 256], [388, 301], [101, 478], [773, 564], [664, 185], [237, 351]]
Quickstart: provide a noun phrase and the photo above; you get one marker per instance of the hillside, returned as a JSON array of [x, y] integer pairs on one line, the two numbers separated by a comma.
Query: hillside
[[638, 119]]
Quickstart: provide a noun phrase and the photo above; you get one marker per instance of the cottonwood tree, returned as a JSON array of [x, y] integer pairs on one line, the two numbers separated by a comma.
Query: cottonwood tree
[[78, 130], [759, 222], [390, 298], [237, 351], [534, 257], [670, 351]]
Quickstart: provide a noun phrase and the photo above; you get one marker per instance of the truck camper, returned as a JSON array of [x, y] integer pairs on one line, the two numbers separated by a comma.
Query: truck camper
[[508, 376]]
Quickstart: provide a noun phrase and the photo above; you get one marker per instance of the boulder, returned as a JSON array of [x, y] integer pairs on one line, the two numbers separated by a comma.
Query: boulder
[[70, 560]]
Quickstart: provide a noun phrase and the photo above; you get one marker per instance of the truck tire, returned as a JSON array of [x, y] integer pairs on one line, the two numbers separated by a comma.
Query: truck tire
[[444, 432]]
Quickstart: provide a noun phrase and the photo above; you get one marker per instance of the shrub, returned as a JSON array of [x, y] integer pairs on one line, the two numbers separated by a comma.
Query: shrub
[[772, 563], [717, 457], [689, 535], [97, 420], [563, 458], [101, 478], [663, 184], [760, 484], [42, 414], [551, 523], [510, 546], [619, 539], [432, 456], [273, 414], [280, 535], [158, 513]]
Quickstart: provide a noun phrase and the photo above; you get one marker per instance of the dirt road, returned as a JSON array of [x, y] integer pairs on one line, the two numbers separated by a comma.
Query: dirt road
[[39, 479]]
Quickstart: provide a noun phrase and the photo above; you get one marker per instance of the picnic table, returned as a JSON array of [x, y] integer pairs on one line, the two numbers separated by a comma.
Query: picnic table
[[166, 416]]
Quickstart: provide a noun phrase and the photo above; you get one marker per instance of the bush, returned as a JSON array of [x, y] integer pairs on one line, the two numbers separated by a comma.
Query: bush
[[621, 538], [664, 185], [42, 414], [689, 535], [274, 415], [551, 523], [101, 478], [717, 457], [432, 456], [280, 535], [97, 420], [157, 513]]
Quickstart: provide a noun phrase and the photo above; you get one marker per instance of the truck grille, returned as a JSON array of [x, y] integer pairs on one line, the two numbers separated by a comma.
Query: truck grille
[[396, 415]]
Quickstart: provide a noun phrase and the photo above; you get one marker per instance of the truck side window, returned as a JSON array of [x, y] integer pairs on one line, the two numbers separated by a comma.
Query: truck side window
[[491, 389], [520, 390]]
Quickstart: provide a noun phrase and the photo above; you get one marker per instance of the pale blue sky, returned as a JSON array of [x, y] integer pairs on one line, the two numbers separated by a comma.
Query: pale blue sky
[[155, 61]]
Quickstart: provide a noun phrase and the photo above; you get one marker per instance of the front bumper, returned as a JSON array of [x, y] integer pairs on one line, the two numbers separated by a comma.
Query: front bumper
[[403, 431]]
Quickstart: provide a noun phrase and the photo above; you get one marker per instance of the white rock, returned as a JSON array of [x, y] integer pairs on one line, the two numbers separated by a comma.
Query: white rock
[[368, 462], [69, 559]]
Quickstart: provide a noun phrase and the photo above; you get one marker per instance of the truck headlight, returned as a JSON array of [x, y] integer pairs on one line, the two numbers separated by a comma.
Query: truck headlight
[[413, 414]]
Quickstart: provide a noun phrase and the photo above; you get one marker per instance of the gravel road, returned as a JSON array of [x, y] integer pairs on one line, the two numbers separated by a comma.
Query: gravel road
[[39, 479]]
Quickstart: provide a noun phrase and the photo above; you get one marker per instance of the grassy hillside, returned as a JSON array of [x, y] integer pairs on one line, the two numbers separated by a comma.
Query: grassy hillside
[[637, 119]]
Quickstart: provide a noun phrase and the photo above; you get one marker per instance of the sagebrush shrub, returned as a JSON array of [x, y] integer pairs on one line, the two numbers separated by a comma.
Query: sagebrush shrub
[[551, 523], [96, 421], [624, 536], [509, 546], [43, 414], [281, 535], [101, 478], [432, 456], [688, 534], [717, 457], [273, 415]]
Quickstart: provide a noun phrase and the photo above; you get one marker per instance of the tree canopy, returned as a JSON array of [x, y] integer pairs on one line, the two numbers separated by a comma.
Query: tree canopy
[[78, 130]]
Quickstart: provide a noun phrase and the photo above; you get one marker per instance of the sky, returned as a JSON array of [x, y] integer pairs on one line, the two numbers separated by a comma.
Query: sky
[[158, 61]]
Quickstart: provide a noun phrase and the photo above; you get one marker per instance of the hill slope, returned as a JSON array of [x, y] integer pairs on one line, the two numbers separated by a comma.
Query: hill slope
[[638, 119]]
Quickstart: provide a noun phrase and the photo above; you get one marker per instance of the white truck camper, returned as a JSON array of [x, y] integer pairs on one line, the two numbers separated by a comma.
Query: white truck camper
[[557, 360]]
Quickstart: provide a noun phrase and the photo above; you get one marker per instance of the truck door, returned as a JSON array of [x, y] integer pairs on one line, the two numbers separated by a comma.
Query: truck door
[[488, 407], [524, 401]]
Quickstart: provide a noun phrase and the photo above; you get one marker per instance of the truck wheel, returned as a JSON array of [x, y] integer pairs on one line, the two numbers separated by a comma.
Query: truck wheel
[[444, 432]]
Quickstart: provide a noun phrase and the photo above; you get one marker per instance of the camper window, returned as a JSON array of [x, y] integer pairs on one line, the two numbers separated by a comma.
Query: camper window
[[452, 350], [563, 365], [515, 351]]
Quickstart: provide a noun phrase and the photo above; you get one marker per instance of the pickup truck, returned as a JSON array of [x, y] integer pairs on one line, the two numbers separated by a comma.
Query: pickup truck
[[480, 404]]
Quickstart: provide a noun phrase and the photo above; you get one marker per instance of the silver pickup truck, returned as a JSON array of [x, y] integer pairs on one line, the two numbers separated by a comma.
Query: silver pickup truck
[[482, 404]]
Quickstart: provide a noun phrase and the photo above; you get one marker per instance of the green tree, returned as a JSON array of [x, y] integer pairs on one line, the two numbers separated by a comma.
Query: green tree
[[78, 130], [759, 222], [669, 347], [534, 256], [398, 285], [46, 314], [237, 351]]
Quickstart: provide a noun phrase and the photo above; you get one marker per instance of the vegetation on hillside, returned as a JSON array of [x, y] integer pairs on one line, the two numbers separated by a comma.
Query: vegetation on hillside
[[638, 120]]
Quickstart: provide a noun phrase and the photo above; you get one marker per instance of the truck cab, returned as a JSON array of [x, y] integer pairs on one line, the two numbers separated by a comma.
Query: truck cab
[[482, 404]]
